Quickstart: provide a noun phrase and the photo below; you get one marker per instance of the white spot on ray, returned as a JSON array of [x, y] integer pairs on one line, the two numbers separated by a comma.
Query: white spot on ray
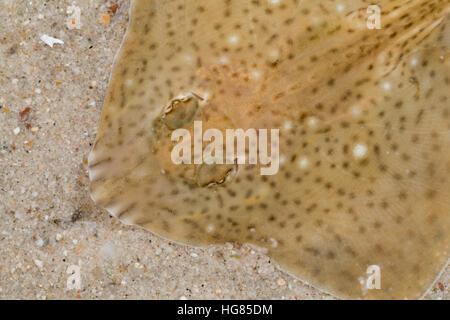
[[256, 74], [233, 39], [129, 82], [360, 151], [340, 7], [274, 1], [387, 86], [274, 54], [315, 20], [287, 125], [303, 163], [312, 122], [282, 159], [355, 111], [210, 228], [224, 60], [414, 62]]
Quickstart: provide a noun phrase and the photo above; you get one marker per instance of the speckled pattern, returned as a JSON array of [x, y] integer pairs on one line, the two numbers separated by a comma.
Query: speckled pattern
[[47, 219]]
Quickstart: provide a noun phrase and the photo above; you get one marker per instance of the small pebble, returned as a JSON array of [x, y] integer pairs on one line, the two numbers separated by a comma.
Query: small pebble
[[39, 263], [39, 242], [105, 18], [16, 131], [281, 282]]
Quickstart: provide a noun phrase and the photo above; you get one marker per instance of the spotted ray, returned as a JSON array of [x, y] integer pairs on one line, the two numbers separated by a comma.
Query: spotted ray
[[364, 141]]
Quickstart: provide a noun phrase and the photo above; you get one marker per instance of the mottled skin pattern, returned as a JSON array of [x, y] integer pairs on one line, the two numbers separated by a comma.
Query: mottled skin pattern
[[334, 88]]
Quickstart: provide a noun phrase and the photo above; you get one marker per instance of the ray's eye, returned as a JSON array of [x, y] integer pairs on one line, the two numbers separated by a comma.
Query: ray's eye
[[210, 175], [180, 112]]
